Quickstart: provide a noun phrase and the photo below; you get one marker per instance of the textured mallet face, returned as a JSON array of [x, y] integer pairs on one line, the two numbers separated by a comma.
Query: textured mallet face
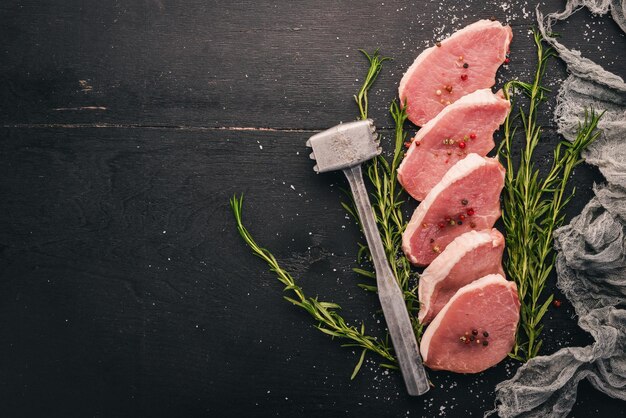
[[344, 145]]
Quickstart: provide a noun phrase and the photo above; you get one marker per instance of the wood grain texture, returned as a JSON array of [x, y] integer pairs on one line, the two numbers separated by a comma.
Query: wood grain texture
[[246, 64], [124, 287]]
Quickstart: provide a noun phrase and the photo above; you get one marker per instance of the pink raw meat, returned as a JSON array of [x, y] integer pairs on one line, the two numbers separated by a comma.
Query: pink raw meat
[[470, 256], [475, 329], [464, 127], [466, 198], [439, 76]]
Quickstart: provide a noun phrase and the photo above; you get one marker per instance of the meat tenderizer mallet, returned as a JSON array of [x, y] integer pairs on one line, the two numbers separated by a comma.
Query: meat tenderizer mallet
[[345, 147]]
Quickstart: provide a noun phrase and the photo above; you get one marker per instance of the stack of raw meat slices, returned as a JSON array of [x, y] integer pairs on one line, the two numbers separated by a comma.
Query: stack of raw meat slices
[[472, 309]]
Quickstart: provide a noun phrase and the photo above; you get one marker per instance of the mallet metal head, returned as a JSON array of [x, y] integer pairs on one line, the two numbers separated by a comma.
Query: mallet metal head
[[344, 145]]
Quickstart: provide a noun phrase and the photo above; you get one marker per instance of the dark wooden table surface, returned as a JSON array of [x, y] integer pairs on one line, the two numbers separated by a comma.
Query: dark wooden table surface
[[126, 126]]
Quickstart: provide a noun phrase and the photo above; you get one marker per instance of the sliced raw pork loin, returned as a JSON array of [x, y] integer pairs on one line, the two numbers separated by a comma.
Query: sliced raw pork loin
[[475, 329], [466, 198], [463, 63], [464, 127], [469, 257]]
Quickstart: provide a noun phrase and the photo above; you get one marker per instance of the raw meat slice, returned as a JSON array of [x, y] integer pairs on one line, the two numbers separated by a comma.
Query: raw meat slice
[[475, 329], [466, 198], [465, 126], [470, 256], [439, 76]]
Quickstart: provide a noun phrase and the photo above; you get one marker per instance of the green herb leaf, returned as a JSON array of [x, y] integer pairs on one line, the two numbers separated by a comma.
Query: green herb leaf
[[358, 364]]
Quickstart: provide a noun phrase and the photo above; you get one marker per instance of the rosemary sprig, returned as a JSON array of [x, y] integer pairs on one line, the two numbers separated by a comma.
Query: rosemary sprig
[[328, 320], [387, 199], [376, 64], [533, 206]]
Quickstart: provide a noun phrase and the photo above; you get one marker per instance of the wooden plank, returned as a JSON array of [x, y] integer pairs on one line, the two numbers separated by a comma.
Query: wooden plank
[[244, 64], [127, 291]]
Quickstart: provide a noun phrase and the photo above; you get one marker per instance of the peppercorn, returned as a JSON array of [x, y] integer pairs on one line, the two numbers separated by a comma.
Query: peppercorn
[[407, 144], [472, 225], [463, 77], [462, 217], [485, 334], [464, 202], [507, 60], [470, 211], [452, 222], [441, 225], [472, 136], [472, 338], [438, 44], [474, 332], [556, 303], [461, 144], [448, 88], [485, 343], [466, 65], [459, 223]]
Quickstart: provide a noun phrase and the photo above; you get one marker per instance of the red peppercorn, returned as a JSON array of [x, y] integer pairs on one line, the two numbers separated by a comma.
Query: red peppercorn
[[463, 77], [461, 144], [507, 60], [472, 135], [556, 303], [470, 211], [407, 144], [462, 217], [441, 225]]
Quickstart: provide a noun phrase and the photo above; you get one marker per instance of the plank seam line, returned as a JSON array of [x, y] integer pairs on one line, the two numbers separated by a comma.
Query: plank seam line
[[172, 127]]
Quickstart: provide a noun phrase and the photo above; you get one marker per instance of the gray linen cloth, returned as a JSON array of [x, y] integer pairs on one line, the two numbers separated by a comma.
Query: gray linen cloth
[[591, 260]]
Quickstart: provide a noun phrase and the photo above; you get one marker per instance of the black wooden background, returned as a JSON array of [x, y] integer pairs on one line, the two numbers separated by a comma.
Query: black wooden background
[[126, 125]]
